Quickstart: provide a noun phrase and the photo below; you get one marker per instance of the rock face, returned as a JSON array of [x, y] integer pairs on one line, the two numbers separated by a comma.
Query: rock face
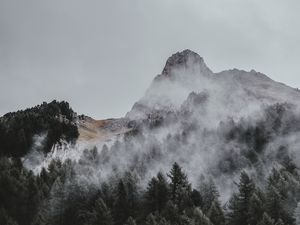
[[185, 60], [238, 93]]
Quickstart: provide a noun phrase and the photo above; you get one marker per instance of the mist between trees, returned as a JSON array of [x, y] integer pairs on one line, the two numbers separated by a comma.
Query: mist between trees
[[56, 196]]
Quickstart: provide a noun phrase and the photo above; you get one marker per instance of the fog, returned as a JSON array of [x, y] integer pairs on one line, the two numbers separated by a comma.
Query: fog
[[213, 125]]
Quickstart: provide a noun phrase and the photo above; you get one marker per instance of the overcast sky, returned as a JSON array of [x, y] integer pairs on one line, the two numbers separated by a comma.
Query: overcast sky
[[102, 55]]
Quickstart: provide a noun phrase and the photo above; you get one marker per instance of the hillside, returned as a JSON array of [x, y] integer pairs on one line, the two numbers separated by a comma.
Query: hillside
[[47, 123], [92, 130]]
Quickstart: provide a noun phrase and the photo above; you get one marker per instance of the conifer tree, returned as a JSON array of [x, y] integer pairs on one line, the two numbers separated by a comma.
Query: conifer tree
[[233, 206], [275, 207], [157, 193], [101, 215], [239, 203], [266, 220], [130, 221], [121, 205], [255, 210], [131, 186], [180, 188], [171, 212], [107, 194], [156, 219], [215, 214], [209, 194], [57, 202], [200, 218], [274, 204], [197, 198], [5, 219], [185, 220], [41, 217], [151, 220], [33, 197], [280, 222], [297, 214]]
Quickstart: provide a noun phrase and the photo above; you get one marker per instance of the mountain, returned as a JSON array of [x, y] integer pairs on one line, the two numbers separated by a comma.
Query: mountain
[[186, 72], [233, 131], [224, 122]]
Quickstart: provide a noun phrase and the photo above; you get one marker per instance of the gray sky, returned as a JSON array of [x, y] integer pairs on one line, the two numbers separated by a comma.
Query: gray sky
[[102, 55]]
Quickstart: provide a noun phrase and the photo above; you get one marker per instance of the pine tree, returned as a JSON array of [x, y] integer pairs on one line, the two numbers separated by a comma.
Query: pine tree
[[297, 214], [209, 194], [275, 207], [280, 222], [200, 218], [215, 214], [101, 215], [233, 206], [131, 182], [39, 220], [54, 169], [156, 219], [57, 203], [256, 209], [246, 189], [5, 219], [121, 206], [33, 197], [180, 188], [163, 221], [281, 195], [185, 220], [151, 220], [130, 221], [107, 194], [239, 204], [41, 216], [266, 220], [157, 193], [171, 212], [43, 183], [197, 198]]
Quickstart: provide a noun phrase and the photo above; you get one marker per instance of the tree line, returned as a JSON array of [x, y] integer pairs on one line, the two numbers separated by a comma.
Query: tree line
[[54, 197], [17, 129]]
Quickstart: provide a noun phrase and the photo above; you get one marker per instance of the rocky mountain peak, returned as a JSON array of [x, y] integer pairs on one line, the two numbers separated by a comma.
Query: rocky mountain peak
[[186, 59]]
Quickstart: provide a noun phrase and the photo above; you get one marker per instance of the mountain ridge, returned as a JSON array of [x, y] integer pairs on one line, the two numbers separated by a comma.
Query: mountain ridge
[[190, 75]]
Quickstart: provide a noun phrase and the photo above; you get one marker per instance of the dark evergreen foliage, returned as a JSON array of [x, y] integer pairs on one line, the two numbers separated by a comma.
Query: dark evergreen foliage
[[180, 188], [54, 198], [239, 204], [55, 120], [157, 194]]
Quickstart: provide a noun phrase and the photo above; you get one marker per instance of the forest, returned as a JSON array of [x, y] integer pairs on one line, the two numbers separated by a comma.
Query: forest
[[17, 129], [54, 197], [60, 193]]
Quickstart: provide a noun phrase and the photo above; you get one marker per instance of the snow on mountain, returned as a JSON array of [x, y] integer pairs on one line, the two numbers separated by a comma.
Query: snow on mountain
[[211, 123], [229, 90]]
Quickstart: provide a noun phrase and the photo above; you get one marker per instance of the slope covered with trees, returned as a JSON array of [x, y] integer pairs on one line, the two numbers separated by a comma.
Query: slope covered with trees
[[54, 120]]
